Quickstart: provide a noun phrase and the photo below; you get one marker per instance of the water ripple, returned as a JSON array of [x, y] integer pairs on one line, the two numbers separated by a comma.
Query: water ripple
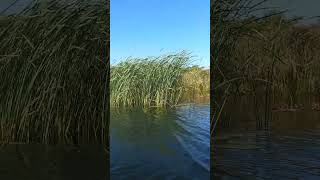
[[269, 156]]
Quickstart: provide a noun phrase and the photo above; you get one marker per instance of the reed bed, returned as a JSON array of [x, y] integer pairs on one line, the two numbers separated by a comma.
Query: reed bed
[[196, 83], [232, 24], [268, 59], [273, 62], [229, 21], [287, 63], [53, 73], [271, 56], [154, 81]]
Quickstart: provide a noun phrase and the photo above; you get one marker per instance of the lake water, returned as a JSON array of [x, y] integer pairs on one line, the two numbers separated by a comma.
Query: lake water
[[287, 148], [33, 161], [160, 144]]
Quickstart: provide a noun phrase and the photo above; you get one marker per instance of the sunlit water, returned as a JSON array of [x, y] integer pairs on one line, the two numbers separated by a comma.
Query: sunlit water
[[288, 149], [160, 144]]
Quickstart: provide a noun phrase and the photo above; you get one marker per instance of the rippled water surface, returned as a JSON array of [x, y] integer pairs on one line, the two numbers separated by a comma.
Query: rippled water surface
[[288, 148], [160, 144]]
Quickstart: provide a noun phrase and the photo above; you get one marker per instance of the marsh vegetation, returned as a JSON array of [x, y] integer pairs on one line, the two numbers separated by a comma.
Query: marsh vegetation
[[163, 81], [157, 98], [264, 86], [53, 73], [270, 56]]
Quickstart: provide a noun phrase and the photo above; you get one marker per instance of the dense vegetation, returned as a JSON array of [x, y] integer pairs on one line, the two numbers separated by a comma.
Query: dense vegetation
[[53, 74], [269, 56], [279, 58], [157, 81]]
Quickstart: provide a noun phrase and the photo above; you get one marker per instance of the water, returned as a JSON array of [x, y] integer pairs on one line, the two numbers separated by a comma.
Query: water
[[33, 161], [286, 149], [160, 144]]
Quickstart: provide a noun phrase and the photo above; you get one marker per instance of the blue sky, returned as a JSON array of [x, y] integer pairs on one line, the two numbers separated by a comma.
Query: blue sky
[[141, 28]]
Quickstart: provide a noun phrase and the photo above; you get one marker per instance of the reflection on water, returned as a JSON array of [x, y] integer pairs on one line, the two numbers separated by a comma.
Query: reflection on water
[[287, 149], [160, 144], [41, 162]]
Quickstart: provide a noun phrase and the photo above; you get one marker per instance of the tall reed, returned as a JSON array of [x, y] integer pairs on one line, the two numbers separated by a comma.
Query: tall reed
[[288, 65], [153, 81], [262, 56], [53, 73], [231, 21], [196, 83]]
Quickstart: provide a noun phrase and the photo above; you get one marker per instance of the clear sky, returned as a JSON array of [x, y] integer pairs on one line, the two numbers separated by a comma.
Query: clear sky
[[141, 28]]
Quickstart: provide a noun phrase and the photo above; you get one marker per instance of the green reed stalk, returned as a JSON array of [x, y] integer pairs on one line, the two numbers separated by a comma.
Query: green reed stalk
[[53, 72], [234, 30], [153, 81]]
